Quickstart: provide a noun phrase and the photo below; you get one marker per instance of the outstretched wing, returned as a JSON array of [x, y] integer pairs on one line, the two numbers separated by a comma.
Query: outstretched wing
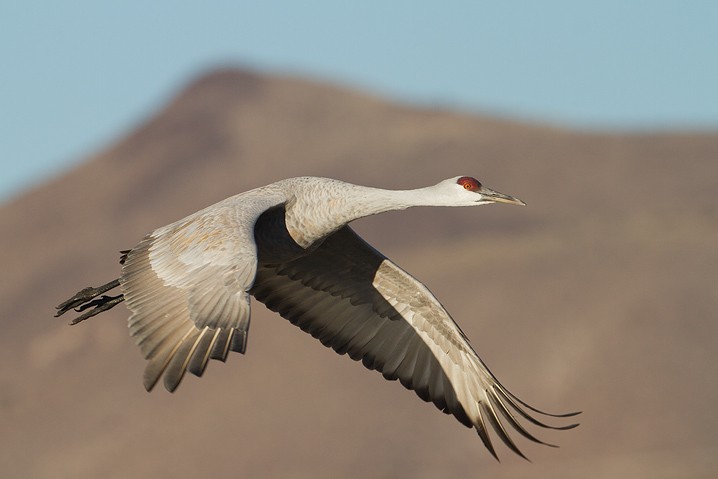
[[187, 287], [357, 302]]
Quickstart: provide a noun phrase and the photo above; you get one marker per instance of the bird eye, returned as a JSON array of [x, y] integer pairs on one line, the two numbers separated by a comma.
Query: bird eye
[[469, 183]]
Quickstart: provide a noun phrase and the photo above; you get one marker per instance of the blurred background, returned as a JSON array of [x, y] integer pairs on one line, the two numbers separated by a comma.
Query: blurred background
[[117, 119]]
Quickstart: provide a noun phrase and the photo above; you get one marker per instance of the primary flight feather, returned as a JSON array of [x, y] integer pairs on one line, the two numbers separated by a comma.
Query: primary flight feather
[[188, 287]]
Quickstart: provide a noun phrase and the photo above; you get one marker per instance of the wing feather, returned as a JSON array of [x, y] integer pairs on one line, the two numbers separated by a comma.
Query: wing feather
[[177, 366], [359, 303], [222, 345], [200, 358], [187, 285]]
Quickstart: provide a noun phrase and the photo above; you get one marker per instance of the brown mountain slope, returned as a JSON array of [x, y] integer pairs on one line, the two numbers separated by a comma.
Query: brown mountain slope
[[600, 295]]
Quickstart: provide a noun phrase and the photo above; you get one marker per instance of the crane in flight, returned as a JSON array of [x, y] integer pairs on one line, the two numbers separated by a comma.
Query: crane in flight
[[288, 244]]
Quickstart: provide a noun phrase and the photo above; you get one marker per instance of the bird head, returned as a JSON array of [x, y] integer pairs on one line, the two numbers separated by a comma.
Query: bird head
[[468, 191]]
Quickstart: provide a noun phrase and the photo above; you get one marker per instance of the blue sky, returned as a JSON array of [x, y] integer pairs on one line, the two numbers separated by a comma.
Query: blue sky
[[76, 75]]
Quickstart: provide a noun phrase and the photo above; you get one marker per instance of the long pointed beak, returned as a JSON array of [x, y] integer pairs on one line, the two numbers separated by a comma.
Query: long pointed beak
[[496, 197]]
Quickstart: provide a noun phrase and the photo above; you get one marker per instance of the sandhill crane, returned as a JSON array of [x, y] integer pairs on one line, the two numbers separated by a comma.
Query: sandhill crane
[[188, 287]]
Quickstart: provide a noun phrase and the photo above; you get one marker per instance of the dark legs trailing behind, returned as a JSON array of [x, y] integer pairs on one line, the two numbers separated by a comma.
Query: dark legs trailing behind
[[87, 298]]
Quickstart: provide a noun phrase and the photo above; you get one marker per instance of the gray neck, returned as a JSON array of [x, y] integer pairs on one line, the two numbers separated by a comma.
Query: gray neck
[[321, 213], [368, 201]]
